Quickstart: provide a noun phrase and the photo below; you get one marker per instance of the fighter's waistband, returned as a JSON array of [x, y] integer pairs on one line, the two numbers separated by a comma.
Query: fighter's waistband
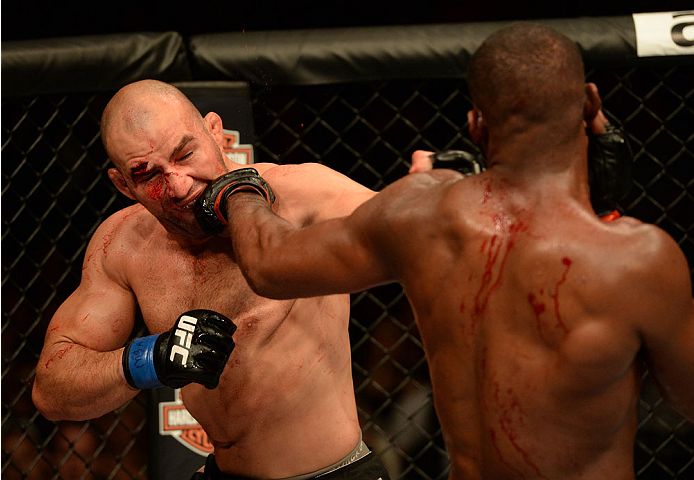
[[360, 451]]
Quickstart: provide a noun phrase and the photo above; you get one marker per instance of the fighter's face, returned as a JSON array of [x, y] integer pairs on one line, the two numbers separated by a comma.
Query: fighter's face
[[166, 160]]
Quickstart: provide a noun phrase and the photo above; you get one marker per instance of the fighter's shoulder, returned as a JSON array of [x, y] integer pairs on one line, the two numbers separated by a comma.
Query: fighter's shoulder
[[652, 251], [311, 191], [308, 176], [643, 236], [435, 182], [418, 198], [125, 228], [263, 168], [292, 172]]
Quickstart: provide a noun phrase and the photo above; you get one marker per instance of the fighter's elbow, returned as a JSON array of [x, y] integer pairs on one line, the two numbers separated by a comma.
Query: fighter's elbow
[[260, 279], [46, 403]]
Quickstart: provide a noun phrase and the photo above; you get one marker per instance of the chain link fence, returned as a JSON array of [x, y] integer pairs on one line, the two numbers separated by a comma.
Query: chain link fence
[[55, 192]]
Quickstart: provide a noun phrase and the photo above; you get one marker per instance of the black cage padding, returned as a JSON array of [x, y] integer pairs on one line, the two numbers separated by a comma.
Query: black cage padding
[[94, 63]]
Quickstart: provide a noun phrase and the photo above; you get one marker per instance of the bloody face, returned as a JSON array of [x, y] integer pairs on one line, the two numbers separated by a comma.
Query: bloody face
[[167, 157]]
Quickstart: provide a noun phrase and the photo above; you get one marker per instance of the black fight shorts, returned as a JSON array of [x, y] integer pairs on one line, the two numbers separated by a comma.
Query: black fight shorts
[[368, 467]]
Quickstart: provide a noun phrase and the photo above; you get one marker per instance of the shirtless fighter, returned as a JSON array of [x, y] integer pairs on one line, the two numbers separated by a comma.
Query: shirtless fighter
[[535, 315], [283, 404]]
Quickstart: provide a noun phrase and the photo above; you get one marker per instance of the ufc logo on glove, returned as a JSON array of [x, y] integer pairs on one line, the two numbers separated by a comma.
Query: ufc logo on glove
[[184, 332], [195, 350]]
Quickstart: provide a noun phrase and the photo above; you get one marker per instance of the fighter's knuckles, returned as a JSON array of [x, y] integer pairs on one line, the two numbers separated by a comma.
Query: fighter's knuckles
[[460, 160], [211, 362], [195, 350], [210, 208], [216, 342], [221, 323]]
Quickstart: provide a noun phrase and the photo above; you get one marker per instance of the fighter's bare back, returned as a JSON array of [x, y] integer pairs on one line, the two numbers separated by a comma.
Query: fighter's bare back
[[535, 315], [539, 358]]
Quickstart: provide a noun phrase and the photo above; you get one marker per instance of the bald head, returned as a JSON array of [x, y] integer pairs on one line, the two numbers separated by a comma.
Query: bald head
[[134, 105], [527, 71]]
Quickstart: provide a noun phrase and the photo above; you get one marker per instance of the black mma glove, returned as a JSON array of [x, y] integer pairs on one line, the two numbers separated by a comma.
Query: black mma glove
[[609, 169], [460, 160], [196, 350], [210, 208]]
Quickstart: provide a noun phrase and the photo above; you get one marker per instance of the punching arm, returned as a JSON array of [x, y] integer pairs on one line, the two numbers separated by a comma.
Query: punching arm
[[280, 260]]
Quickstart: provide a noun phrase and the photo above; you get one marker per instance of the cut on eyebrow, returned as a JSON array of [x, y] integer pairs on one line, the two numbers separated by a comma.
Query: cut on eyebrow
[[182, 144], [141, 168], [138, 169]]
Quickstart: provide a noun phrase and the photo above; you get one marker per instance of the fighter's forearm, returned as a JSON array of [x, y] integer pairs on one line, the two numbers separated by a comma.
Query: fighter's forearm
[[75, 383], [255, 231], [282, 261]]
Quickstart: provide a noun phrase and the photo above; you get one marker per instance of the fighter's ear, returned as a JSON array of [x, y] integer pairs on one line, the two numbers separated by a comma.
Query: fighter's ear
[[477, 127], [118, 180], [215, 127], [592, 103]]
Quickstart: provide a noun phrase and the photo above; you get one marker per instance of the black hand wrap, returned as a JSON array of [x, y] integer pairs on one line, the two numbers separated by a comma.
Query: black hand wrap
[[460, 160], [609, 169], [195, 350], [210, 209]]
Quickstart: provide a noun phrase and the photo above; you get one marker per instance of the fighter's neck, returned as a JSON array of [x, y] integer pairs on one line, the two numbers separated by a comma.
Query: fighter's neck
[[534, 158], [545, 189], [541, 167], [536, 149], [198, 245]]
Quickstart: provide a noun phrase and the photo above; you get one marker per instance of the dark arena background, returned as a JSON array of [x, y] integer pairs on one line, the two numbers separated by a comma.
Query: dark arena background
[[358, 91]]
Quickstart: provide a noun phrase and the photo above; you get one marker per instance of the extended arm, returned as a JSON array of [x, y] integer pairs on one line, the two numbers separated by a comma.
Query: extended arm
[[340, 255], [280, 260], [306, 194]]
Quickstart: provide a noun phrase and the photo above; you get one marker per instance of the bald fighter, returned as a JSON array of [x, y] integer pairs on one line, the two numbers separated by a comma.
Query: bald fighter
[[269, 381], [535, 315]]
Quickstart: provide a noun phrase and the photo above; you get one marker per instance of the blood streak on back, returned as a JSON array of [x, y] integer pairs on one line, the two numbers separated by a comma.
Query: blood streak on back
[[555, 296]]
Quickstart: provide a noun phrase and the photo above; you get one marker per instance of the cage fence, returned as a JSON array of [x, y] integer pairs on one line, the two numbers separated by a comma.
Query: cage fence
[[55, 192]]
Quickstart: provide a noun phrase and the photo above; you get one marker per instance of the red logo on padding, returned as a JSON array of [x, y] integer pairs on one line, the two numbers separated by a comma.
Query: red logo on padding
[[176, 421]]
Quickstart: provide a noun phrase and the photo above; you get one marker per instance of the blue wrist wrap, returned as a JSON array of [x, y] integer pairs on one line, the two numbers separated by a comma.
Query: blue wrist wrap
[[141, 363]]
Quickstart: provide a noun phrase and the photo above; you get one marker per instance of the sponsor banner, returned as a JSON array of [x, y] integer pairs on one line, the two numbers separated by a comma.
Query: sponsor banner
[[664, 33], [176, 421], [236, 151]]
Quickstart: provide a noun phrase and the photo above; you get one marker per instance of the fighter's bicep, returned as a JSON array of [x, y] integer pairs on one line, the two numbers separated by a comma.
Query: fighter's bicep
[[99, 318], [100, 313]]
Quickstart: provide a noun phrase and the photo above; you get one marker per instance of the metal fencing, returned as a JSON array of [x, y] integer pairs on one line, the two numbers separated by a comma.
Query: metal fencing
[[55, 192]]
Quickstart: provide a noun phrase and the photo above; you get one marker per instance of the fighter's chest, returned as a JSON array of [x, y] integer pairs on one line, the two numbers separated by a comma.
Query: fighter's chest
[[168, 285]]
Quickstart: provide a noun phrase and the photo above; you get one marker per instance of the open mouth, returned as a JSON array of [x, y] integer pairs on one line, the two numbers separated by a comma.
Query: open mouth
[[190, 203]]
